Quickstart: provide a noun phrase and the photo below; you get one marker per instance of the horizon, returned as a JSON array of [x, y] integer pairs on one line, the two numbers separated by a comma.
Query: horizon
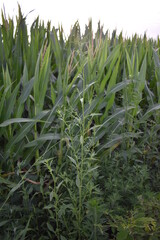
[[142, 19]]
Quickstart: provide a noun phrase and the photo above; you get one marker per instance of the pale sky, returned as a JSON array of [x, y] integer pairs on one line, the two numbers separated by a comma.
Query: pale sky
[[128, 15]]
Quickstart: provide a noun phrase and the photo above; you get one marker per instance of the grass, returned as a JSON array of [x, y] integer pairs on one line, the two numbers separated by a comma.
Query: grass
[[79, 134]]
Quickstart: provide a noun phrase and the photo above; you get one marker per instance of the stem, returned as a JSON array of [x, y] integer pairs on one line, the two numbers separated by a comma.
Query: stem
[[95, 227], [60, 152], [35, 137], [82, 161], [10, 135]]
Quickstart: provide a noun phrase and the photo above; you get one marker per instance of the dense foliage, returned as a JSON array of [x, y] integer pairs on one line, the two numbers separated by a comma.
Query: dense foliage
[[79, 134]]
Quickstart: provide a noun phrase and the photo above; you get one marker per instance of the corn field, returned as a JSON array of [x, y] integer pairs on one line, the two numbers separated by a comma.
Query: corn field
[[79, 133]]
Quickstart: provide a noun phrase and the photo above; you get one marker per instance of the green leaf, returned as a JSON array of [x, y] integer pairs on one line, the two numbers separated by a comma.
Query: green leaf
[[111, 84], [115, 115], [80, 68], [3, 223], [36, 83], [56, 47], [24, 231], [43, 79], [142, 76], [26, 90], [49, 206], [129, 65], [118, 87], [157, 69], [21, 134], [72, 160], [110, 70], [43, 138], [53, 95], [11, 103], [122, 234], [50, 227], [113, 55], [9, 184], [112, 142], [150, 111], [16, 120], [63, 238], [3, 99]]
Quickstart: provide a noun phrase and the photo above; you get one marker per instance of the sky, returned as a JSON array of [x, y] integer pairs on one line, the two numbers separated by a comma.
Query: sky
[[129, 16]]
